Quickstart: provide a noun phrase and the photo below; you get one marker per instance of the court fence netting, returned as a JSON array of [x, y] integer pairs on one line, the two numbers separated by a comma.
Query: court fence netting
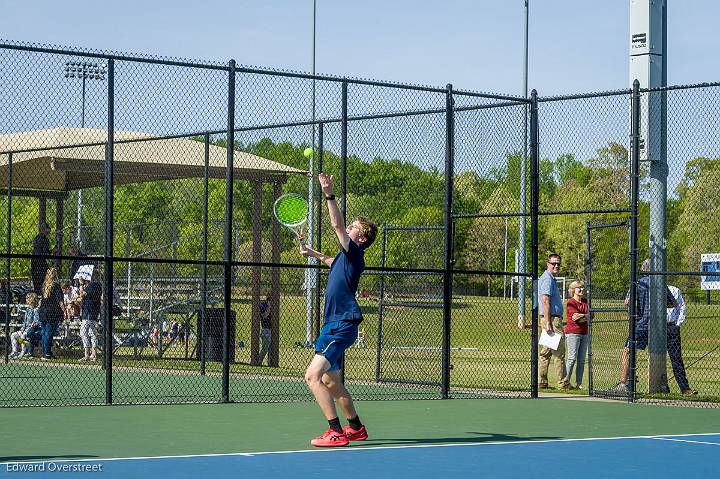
[[161, 174]]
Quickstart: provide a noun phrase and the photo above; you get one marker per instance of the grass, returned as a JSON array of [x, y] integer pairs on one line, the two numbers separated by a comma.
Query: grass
[[490, 354]]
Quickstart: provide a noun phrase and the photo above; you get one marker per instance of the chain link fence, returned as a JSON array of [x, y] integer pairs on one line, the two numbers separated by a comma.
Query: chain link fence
[[161, 174]]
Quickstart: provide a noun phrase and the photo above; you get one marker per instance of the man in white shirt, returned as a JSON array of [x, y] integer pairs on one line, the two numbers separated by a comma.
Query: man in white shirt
[[675, 317]]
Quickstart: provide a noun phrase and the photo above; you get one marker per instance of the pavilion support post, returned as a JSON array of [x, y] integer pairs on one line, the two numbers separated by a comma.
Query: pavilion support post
[[59, 214], [257, 188], [42, 211], [274, 354]]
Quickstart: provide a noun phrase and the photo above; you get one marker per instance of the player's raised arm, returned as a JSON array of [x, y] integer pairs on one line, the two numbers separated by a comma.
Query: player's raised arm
[[307, 251], [336, 219]]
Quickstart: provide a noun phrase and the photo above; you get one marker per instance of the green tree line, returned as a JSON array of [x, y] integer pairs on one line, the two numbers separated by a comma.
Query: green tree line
[[164, 219]]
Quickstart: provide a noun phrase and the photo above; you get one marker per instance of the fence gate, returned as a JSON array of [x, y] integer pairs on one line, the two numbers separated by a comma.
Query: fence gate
[[607, 277], [410, 308]]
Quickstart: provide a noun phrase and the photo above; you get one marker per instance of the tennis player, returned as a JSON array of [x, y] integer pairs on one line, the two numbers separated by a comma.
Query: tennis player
[[340, 327]]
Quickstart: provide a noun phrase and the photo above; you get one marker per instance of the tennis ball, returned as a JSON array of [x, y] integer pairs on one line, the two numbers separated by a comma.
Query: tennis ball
[[308, 152]]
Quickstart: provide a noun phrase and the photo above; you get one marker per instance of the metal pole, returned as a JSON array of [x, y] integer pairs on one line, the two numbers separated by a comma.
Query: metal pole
[[227, 341], [343, 171], [80, 192], [588, 295], [7, 258], [343, 150], [128, 268], [203, 267], [505, 260], [318, 238], [381, 299], [634, 193], [310, 275], [534, 200], [109, 232], [448, 276], [522, 259]]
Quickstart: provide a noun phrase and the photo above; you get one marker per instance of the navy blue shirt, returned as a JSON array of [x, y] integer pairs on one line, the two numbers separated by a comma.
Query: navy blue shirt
[[91, 302], [340, 302], [643, 301]]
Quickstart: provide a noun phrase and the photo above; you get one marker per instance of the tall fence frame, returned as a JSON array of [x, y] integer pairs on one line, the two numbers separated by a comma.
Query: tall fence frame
[[455, 102]]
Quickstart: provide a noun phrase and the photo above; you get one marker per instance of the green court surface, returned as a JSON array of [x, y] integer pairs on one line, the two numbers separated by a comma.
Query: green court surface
[[35, 383], [93, 432]]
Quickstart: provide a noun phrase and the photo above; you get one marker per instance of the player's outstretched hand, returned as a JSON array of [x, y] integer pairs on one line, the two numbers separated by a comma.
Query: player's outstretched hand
[[326, 183], [304, 251]]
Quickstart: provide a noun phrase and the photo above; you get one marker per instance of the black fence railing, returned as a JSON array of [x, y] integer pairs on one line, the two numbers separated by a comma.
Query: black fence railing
[[161, 175]]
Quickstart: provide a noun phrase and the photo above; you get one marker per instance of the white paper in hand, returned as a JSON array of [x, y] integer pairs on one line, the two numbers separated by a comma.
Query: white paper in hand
[[550, 341]]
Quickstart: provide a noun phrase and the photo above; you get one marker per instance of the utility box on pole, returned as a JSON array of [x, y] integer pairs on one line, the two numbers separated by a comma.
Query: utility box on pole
[[648, 64]]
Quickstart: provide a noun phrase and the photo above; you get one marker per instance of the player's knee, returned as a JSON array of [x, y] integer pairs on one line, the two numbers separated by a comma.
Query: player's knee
[[312, 377], [329, 382]]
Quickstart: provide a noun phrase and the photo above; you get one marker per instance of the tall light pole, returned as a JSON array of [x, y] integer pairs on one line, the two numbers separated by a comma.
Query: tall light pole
[[520, 268], [310, 278], [648, 65], [83, 71]]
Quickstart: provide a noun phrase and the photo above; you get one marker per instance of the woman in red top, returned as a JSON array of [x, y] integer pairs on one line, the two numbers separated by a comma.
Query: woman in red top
[[576, 332]]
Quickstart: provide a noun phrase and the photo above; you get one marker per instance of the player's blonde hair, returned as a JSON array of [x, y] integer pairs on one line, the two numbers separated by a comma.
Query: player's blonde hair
[[368, 230]]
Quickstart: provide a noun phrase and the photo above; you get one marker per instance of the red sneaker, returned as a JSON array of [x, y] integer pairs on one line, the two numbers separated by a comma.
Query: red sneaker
[[330, 439], [355, 434]]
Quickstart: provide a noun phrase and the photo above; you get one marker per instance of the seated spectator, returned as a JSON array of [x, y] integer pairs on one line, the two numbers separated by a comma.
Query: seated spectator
[[70, 294], [30, 330]]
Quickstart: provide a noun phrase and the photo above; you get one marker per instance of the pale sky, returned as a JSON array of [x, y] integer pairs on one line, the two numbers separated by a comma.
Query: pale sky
[[575, 45]]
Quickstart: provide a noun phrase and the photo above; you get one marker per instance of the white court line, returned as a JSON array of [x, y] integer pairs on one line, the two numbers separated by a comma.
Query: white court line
[[368, 448], [685, 440]]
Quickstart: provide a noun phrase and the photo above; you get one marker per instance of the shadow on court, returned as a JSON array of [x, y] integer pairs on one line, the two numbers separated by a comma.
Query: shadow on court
[[480, 437], [45, 457]]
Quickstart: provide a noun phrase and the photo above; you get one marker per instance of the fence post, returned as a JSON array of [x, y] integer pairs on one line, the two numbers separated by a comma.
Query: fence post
[[343, 150], [634, 192], [448, 266], [8, 290], [109, 232], [381, 300], [534, 202], [343, 173], [588, 296], [318, 225], [203, 266], [227, 341]]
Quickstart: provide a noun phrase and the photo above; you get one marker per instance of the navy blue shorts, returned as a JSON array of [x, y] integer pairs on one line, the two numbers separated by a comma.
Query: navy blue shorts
[[641, 338], [334, 339]]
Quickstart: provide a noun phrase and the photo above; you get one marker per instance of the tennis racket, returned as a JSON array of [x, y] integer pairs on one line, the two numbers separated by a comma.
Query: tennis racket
[[291, 211]]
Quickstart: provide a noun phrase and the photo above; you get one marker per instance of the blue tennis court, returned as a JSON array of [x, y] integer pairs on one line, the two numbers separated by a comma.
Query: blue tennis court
[[687, 455]]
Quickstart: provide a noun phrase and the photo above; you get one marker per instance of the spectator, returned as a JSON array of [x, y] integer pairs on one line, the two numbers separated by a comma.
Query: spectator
[[5, 297], [71, 307], [550, 309], [576, 332], [643, 323], [90, 297], [79, 260], [51, 311], [39, 266], [675, 318], [265, 330], [172, 331], [27, 334]]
